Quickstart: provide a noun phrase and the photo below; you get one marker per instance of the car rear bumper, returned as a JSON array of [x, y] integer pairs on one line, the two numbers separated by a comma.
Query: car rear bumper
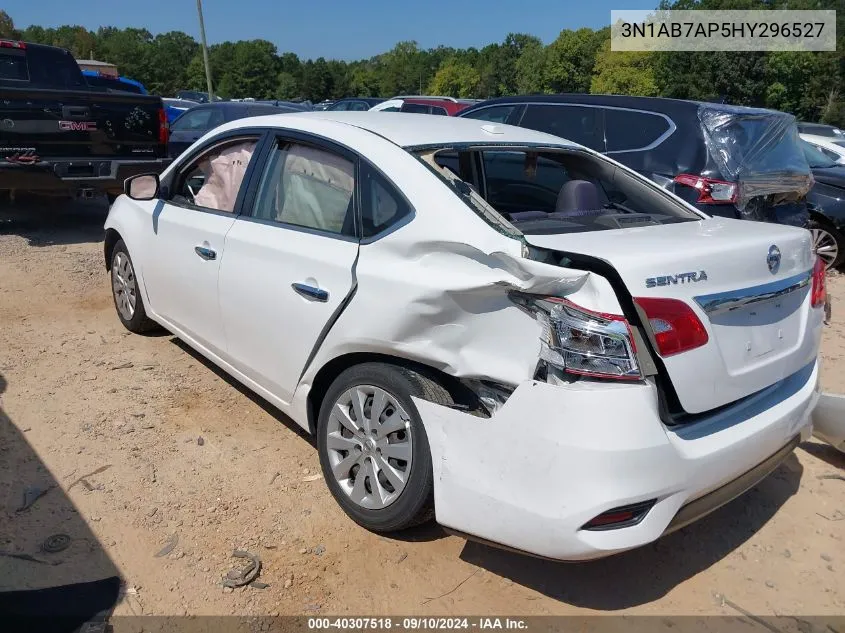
[[73, 174], [555, 457]]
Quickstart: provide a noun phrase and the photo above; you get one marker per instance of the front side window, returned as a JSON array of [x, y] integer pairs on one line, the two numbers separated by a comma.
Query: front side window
[[198, 120], [495, 114], [578, 124], [214, 180], [309, 187]]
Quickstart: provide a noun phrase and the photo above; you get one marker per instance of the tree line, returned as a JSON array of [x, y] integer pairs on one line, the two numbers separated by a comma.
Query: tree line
[[807, 84]]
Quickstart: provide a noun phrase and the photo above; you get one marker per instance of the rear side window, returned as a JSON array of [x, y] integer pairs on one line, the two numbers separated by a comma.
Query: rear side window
[[416, 108], [198, 120], [496, 114], [625, 130], [308, 187], [13, 64], [438, 110], [359, 106], [579, 124], [382, 205]]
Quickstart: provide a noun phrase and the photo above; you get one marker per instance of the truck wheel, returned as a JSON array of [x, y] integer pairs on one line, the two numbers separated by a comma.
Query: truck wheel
[[373, 448], [126, 292]]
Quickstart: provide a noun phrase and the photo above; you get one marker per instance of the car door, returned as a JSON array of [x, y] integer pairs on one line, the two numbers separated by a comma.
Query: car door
[[289, 261], [186, 244]]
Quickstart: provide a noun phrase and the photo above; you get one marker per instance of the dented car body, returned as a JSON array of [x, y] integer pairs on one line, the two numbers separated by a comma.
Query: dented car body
[[564, 358]]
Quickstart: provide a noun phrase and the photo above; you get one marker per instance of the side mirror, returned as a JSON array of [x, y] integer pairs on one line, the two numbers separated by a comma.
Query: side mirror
[[142, 187]]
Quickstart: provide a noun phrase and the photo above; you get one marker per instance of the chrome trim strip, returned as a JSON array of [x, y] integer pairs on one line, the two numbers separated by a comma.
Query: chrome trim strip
[[722, 302]]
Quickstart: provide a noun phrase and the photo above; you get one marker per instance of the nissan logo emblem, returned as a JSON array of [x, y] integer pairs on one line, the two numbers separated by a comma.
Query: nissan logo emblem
[[773, 259]]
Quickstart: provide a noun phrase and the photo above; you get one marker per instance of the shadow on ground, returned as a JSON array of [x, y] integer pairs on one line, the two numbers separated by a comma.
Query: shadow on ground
[[56, 575], [52, 220], [646, 574]]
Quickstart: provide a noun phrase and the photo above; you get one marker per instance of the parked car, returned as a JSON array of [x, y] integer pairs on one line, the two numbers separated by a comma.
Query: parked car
[[177, 107], [195, 95], [828, 206], [446, 106], [121, 84], [194, 123], [303, 106], [820, 129], [728, 161], [830, 146], [564, 358], [356, 104], [59, 134]]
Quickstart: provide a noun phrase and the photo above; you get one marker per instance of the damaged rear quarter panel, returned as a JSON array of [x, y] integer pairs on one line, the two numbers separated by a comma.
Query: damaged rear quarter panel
[[435, 291]]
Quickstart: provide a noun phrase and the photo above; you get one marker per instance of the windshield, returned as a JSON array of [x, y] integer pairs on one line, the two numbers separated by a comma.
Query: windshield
[[815, 158], [554, 190]]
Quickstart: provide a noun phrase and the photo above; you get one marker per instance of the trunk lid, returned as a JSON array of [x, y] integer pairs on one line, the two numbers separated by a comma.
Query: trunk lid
[[758, 319]]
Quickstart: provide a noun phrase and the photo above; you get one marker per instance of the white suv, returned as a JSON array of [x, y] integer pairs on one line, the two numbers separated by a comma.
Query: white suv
[[481, 323]]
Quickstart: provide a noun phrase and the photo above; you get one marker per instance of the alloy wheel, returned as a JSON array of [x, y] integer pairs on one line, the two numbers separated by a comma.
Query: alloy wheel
[[123, 285], [825, 246]]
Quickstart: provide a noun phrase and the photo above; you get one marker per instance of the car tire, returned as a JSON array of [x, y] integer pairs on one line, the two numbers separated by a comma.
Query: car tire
[[414, 503], [125, 290], [825, 235]]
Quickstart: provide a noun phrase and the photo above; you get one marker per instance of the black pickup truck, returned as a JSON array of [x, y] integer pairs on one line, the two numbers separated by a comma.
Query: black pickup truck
[[59, 134]]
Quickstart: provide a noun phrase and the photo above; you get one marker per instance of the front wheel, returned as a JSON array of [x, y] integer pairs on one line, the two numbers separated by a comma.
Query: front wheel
[[828, 243], [126, 292], [373, 448]]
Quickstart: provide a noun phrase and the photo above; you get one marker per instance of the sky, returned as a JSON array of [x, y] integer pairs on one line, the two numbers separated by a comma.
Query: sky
[[334, 29]]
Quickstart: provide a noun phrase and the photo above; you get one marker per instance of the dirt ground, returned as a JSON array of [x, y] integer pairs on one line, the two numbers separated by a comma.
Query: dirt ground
[[140, 443]]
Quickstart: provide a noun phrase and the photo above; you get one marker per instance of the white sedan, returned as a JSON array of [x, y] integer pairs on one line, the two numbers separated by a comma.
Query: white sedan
[[481, 324]]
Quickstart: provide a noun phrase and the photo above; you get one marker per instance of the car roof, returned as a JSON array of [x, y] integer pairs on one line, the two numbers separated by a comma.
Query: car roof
[[413, 130]]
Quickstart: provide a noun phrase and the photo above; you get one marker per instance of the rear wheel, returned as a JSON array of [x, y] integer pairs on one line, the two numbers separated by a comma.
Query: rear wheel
[[126, 293], [373, 447], [828, 243]]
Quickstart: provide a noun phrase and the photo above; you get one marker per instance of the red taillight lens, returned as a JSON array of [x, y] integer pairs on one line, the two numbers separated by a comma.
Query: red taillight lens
[[818, 294], [12, 44], [710, 190], [163, 127], [676, 327]]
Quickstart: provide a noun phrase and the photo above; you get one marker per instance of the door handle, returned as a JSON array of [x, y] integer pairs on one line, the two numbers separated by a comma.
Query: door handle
[[311, 292], [205, 253]]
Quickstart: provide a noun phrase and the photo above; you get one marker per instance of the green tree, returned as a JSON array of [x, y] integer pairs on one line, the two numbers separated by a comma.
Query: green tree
[[530, 69], [455, 79], [7, 27], [571, 57], [624, 73], [287, 86]]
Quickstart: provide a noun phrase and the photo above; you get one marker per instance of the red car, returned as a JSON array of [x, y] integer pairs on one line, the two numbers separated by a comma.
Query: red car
[[446, 106]]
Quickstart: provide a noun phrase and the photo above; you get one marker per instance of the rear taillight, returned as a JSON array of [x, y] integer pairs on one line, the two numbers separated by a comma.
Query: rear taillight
[[163, 127], [675, 326], [582, 342], [12, 44], [818, 294], [710, 190]]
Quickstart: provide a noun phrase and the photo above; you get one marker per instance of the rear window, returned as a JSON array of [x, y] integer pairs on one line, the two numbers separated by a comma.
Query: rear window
[[626, 130], [579, 124], [13, 65]]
